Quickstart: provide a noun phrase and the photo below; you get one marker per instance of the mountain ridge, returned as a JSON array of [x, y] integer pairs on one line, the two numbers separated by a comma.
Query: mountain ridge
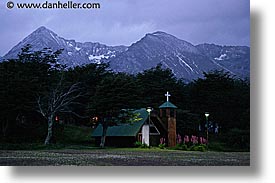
[[74, 53], [186, 60]]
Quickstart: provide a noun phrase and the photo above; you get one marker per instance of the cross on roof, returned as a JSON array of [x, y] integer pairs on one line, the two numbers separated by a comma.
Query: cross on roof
[[167, 95]]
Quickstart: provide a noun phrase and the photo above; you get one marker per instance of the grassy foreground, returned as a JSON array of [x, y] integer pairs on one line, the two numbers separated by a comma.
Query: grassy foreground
[[121, 157], [75, 147]]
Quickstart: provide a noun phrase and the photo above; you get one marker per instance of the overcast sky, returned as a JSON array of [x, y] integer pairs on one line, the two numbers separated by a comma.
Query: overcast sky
[[122, 22]]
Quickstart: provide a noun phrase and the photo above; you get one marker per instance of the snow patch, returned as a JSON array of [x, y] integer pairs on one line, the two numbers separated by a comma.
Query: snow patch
[[110, 54], [70, 53], [223, 67], [70, 44], [222, 57], [182, 61], [54, 37], [77, 48], [158, 33], [97, 58]]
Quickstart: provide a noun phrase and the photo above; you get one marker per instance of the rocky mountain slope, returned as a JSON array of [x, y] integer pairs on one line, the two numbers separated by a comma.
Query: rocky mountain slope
[[74, 54], [186, 60]]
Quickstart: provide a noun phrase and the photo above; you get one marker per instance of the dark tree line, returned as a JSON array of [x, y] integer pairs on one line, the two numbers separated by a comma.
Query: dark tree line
[[34, 89]]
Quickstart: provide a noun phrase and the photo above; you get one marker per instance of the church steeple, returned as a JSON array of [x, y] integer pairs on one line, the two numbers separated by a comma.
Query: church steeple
[[167, 105], [168, 114]]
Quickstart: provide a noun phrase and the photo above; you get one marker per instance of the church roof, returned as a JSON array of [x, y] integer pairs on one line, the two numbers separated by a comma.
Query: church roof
[[167, 104], [124, 129]]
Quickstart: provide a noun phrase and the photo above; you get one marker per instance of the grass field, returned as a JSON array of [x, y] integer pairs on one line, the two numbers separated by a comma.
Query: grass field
[[121, 157], [75, 147]]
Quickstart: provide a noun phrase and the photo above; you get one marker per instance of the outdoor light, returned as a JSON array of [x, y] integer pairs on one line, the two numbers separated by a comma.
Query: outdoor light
[[206, 114], [149, 109]]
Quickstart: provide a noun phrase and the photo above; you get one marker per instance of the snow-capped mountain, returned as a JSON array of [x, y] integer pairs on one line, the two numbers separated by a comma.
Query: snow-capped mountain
[[74, 53], [235, 59], [183, 58]]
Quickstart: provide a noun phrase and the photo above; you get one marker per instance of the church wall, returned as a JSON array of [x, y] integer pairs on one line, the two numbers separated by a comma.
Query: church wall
[[145, 135], [154, 140], [172, 135]]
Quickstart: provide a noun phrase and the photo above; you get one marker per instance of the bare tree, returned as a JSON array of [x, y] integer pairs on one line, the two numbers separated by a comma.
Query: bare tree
[[58, 100], [4, 127]]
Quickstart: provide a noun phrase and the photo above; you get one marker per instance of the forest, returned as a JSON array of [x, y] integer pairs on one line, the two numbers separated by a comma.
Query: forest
[[38, 96]]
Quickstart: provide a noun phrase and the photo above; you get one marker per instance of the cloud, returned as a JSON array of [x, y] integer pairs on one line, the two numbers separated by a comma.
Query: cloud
[[126, 21]]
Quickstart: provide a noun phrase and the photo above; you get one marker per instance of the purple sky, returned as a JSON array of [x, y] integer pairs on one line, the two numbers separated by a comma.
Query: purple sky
[[122, 22]]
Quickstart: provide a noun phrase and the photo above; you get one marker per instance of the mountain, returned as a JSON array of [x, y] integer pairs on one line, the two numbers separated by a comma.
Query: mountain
[[235, 59], [74, 53], [186, 60]]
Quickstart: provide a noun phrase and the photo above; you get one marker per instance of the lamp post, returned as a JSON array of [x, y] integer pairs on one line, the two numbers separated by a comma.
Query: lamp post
[[146, 129], [206, 116], [149, 109]]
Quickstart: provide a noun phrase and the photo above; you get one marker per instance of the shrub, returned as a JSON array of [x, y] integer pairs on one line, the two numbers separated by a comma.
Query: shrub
[[162, 146], [237, 139], [217, 146], [162, 143], [181, 147], [144, 146], [138, 144], [200, 147]]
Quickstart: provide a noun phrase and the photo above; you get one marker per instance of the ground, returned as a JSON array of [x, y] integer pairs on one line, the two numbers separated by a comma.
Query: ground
[[122, 157]]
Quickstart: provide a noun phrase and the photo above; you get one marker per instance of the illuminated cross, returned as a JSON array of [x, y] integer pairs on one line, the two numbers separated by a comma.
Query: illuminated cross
[[167, 96]]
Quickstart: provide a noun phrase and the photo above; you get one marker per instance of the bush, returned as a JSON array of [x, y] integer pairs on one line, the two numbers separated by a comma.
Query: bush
[[144, 146], [140, 145], [162, 146], [217, 146], [181, 147], [30, 146], [71, 134], [237, 139], [200, 147], [18, 133]]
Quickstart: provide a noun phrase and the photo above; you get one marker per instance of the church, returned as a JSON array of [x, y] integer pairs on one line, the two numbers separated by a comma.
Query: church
[[153, 126]]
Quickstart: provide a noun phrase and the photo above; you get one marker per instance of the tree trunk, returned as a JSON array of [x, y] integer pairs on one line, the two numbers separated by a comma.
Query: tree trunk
[[50, 130], [5, 124], [5, 127], [103, 137]]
